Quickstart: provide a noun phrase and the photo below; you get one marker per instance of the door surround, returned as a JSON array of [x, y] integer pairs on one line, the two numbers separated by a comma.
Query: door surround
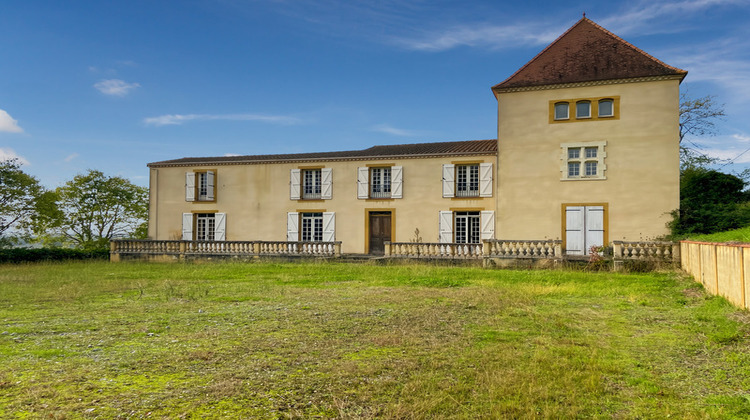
[[368, 211]]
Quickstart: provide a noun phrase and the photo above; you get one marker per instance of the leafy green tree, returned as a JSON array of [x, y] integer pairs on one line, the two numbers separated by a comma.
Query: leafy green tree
[[18, 195], [710, 201], [698, 117], [91, 209]]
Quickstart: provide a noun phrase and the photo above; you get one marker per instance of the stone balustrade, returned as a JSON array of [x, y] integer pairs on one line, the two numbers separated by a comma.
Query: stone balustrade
[[499, 251], [547, 249], [550, 249], [432, 250], [181, 249], [647, 251]]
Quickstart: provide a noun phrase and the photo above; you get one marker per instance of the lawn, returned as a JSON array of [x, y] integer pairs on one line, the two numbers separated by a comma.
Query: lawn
[[736, 235], [271, 340]]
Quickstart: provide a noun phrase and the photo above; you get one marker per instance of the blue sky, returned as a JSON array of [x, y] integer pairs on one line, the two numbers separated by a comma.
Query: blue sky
[[113, 85]]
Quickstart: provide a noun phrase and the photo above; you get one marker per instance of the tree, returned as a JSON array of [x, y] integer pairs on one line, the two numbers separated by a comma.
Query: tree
[[18, 195], [91, 209], [698, 117], [710, 201]]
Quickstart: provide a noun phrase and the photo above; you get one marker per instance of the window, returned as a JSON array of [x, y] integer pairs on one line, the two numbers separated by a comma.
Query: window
[[467, 180], [466, 227], [574, 169], [204, 226], [583, 161], [606, 108], [561, 111], [381, 182], [200, 186], [311, 184], [311, 226], [591, 168], [583, 109]]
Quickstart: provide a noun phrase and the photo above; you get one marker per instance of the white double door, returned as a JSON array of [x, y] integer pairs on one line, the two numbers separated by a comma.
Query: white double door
[[584, 228]]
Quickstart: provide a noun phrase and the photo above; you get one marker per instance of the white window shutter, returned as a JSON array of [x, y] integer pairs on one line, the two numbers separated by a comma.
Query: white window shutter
[[187, 226], [329, 226], [397, 181], [594, 217], [446, 227], [210, 177], [449, 182], [487, 224], [574, 234], [363, 183], [292, 226], [485, 180], [220, 232], [326, 183], [294, 184], [189, 186]]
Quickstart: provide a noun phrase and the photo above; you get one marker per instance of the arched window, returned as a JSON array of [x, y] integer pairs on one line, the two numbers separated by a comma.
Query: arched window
[[606, 108], [583, 109], [561, 111]]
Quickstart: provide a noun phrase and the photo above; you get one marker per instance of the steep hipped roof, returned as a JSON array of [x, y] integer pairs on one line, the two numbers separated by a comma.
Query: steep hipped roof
[[398, 151], [587, 52]]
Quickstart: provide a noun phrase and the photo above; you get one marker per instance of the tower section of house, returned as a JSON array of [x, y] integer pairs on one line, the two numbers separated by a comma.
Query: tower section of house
[[588, 143]]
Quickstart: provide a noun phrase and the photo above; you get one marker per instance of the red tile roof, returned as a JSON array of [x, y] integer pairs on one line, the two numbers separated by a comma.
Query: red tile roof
[[398, 151], [587, 52]]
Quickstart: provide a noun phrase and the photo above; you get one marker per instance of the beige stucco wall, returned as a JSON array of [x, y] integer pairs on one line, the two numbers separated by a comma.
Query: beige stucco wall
[[256, 199], [642, 176]]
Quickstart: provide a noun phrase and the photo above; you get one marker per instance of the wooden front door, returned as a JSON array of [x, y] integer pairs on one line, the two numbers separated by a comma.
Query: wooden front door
[[380, 231]]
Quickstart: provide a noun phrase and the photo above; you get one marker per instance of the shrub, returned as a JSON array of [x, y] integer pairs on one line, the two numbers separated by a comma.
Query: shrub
[[19, 255]]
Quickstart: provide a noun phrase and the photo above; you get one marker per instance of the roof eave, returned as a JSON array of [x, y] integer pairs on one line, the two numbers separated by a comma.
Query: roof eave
[[178, 163]]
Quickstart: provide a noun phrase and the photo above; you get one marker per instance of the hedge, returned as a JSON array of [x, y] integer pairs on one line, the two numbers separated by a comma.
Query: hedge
[[18, 255]]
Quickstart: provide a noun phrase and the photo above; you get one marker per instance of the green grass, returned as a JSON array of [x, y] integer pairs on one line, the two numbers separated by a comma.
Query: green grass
[[737, 235], [265, 340]]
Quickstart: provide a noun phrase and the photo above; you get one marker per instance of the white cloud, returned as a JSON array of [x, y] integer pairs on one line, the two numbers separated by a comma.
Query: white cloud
[[178, 119], [231, 154], [643, 17], [640, 18], [115, 87], [483, 35], [738, 156], [6, 154], [8, 124], [388, 129], [724, 62], [70, 157]]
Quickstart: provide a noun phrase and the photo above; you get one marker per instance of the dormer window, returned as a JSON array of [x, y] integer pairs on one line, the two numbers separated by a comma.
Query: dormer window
[[583, 109], [606, 108], [561, 111]]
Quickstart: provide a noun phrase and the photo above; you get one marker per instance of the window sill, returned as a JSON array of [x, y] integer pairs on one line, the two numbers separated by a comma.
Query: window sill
[[380, 199], [476, 197], [585, 178], [310, 200], [202, 201]]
